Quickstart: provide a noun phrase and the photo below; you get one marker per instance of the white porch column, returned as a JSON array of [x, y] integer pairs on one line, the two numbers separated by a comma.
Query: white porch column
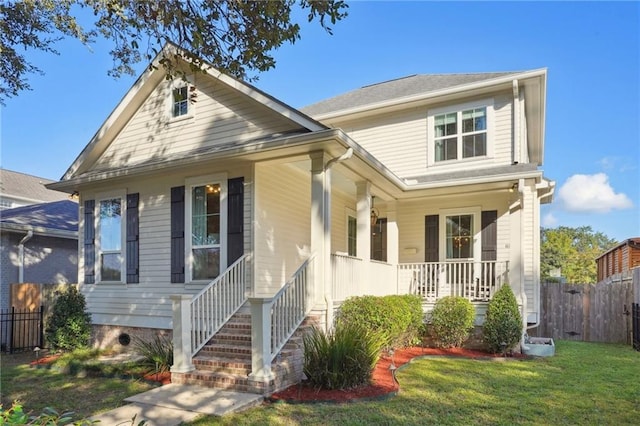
[[261, 339], [393, 238], [363, 244], [181, 305], [321, 234]]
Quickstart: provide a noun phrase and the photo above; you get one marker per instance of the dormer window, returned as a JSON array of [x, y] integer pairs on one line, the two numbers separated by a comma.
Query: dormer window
[[180, 101], [460, 133]]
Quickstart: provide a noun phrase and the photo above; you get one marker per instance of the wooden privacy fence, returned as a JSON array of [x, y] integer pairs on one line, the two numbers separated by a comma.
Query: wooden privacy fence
[[587, 312]]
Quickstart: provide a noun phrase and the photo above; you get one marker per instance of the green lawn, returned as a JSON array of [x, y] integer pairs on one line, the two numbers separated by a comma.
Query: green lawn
[[37, 388], [583, 384]]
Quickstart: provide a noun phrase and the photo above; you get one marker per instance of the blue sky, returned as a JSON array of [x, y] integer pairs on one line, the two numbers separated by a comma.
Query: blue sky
[[591, 51]]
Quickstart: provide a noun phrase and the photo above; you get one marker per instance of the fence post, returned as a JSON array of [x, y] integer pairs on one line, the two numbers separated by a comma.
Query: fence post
[[11, 322], [181, 305], [41, 326]]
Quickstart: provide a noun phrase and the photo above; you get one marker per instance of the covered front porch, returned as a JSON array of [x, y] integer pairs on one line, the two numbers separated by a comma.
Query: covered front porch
[[475, 281]]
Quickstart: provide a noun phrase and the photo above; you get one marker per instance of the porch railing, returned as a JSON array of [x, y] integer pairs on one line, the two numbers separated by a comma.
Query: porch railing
[[212, 307], [290, 306], [476, 281]]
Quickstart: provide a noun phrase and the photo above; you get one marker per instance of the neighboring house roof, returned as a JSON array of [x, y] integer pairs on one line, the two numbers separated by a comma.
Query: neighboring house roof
[[28, 188], [631, 242], [399, 88], [56, 219]]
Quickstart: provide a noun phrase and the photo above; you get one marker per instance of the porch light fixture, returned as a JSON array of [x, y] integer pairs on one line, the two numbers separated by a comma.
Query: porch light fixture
[[374, 213], [513, 187], [74, 196]]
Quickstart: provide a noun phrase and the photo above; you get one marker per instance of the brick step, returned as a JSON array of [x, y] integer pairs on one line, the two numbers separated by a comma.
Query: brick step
[[223, 365], [236, 328], [230, 339], [227, 351], [218, 380]]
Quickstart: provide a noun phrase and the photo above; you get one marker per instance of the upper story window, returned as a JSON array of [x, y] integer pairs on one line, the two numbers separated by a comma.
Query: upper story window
[[461, 132], [180, 101], [109, 249]]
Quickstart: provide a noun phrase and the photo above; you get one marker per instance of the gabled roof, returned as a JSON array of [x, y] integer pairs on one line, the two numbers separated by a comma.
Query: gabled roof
[[27, 187], [59, 218], [145, 84], [399, 88]]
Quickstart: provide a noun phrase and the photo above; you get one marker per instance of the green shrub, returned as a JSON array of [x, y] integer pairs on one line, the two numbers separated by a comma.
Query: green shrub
[[399, 318], [503, 323], [452, 320], [69, 326], [157, 353], [342, 359], [15, 415]]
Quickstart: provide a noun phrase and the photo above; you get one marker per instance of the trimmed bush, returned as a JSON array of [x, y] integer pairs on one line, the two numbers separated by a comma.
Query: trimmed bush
[[503, 323], [157, 353], [452, 320], [399, 318], [342, 359], [69, 326]]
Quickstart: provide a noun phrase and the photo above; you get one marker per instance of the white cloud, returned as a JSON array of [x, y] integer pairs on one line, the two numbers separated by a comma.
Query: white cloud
[[617, 163], [591, 194], [549, 220]]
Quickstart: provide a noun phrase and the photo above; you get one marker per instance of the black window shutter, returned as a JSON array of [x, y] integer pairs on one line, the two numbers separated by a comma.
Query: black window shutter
[[235, 221], [177, 234], [132, 239], [89, 242], [489, 235], [431, 238]]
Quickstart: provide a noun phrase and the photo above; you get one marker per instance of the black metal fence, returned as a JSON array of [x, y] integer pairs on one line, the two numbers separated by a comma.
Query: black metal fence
[[635, 320], [21, 329]]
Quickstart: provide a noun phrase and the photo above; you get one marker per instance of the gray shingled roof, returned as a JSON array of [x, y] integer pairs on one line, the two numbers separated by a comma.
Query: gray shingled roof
[[58, 215], [394, 89], [27, 186]]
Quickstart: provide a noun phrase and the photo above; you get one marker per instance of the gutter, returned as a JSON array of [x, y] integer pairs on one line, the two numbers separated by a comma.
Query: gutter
[[39, 230], [21, 244]]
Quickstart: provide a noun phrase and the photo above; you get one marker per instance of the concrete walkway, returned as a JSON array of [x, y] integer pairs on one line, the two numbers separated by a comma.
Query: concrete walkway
[[172, 404]]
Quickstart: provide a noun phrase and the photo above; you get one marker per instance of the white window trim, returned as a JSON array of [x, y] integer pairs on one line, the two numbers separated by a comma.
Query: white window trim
[[122, 194], [191, 106], [431, 148], [220, 179], [476, 212]]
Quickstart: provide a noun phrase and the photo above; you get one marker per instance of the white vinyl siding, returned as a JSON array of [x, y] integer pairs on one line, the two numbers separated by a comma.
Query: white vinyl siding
[[399, 139], [282, 224], [148, 303], [223, 116]]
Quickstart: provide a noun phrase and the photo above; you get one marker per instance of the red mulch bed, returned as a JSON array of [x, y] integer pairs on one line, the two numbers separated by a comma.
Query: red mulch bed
[[382, 384], [45, 360], [162, 378]]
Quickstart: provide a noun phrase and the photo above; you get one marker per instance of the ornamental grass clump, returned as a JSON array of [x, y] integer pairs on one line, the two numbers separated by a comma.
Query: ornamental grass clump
[[341, 359], [157, 353], [503, 323], [452, 320]]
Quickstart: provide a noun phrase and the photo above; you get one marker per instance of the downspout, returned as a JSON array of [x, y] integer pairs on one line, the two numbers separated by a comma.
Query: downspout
[[21, 244], [548, 194], [523, 293], [516, 123], [328, 296]]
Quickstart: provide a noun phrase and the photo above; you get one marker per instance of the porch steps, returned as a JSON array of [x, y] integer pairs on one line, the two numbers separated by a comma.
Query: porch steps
[[225, 361]]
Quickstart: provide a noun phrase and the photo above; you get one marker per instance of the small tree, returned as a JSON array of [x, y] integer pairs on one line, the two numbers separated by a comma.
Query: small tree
[[69, 327], [452, 320], [503, 323]]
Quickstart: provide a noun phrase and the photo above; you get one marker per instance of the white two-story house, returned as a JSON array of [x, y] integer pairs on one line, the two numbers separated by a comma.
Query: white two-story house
[[206, 198]]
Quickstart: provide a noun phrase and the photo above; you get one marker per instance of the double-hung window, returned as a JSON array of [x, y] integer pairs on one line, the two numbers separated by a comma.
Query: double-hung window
[[352, 233], [459, 236], [459, 133], [180, 101], [110, 227], [206, 223]]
